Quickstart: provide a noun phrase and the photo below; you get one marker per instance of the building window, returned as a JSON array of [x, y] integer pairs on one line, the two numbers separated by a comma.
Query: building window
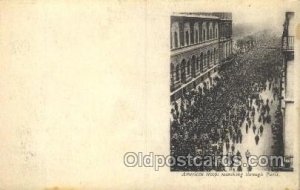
[[193, 69], [200, 35], [204, 31], [175, 35], [183, 71], [187, 33], [177, 73], [188, 68], [211, 30], [176, 39], [226, 50], [204, 61], [215, 55], [196, 33], [208, 56], [187, 38], [201, 62]]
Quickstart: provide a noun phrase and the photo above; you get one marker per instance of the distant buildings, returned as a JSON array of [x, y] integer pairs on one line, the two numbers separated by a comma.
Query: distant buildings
[[287, 86], [200, 42]]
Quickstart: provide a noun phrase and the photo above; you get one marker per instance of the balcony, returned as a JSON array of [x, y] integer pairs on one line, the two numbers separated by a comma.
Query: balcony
[[190, 47], [288, 43]]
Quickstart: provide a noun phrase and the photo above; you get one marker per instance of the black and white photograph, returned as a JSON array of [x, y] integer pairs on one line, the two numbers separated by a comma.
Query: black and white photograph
[[231, 93], [149, 94]]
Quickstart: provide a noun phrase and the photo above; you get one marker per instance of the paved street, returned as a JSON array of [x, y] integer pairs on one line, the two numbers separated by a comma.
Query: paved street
[[265, 142]]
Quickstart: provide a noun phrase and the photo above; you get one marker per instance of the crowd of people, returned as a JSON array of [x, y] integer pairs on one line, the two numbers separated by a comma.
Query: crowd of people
[[208, 118]]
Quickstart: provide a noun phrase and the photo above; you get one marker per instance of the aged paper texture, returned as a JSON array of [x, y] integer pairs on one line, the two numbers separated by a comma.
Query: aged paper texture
[[149, 94]]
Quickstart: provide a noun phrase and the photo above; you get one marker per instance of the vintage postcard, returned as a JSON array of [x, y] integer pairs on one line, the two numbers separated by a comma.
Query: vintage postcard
[[133, 94]]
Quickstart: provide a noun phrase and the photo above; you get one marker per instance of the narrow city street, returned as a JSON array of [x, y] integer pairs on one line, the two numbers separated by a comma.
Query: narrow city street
[[252, 130], [234, 117], [226, 105], [264, 146]]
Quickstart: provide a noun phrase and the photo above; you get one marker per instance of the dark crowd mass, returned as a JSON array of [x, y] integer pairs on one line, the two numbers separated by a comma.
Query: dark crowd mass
[[208, 120]]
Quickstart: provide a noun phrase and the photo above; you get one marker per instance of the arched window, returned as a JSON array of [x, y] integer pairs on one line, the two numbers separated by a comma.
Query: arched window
[[204, 31], [177, 73], [175, 35], [215, 55], [188, 68], [208, 58], [204, 61], [210, 30], [201, 62], [200, 33], [196, 33], [187, 38], [183, 71], [176, 39], [187, 33], [193, 65], [226, 50]]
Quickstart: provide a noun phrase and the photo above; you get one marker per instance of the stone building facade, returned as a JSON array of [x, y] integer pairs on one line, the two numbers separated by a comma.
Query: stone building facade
[[200, 43], [287, 88]]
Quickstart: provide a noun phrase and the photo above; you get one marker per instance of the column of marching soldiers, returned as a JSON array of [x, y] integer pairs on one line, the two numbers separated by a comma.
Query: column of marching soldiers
[[207, 119]]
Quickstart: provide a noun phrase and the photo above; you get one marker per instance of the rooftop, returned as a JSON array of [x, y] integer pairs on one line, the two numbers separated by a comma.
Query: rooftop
[[207, 15], [194, 15]]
